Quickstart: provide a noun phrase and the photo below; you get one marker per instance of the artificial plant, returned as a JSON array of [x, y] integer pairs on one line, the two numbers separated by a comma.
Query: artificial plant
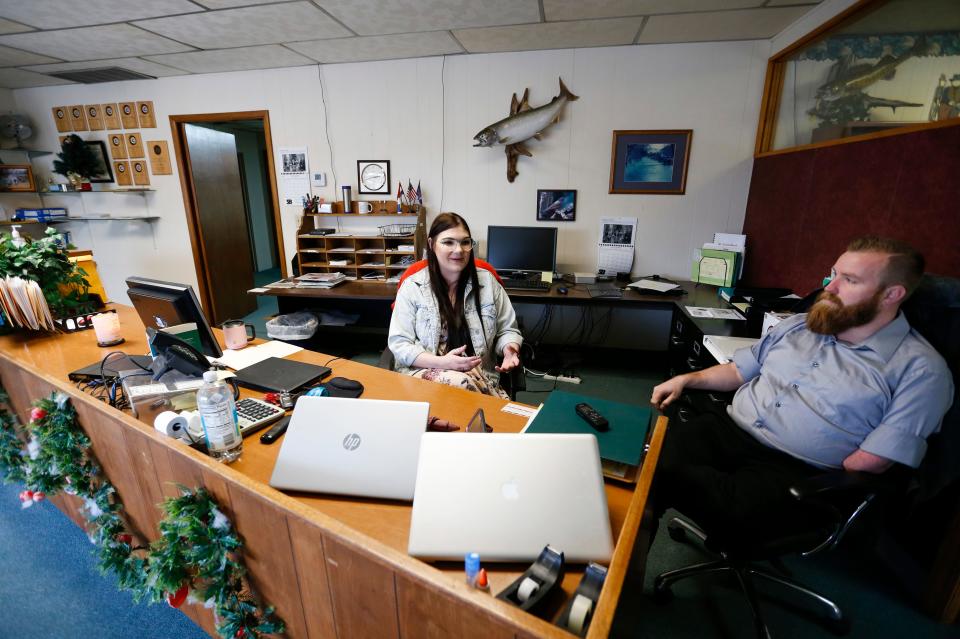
[[64, 284], [76, 158]]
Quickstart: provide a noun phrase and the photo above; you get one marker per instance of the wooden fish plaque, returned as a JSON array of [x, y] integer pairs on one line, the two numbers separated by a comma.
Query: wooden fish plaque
[[159, 156], [145, 115], [118, 148], [122, 171], [128, 115], [93, 117], [77, 119], [134, 145], [139, 170], [61, 116], [111, 116]]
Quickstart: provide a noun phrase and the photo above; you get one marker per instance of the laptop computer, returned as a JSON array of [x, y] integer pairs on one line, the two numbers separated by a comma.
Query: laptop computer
[[112, 368], [359, 447], [508, 495], [278, 374]]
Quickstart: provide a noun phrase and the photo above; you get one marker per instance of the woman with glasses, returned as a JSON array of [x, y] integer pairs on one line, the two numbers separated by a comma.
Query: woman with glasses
[[452, 321]]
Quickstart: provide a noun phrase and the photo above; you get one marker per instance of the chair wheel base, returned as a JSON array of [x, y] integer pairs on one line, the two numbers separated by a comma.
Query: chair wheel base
[[677, 533]]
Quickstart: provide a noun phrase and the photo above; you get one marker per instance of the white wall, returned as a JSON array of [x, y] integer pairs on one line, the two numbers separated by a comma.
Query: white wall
[[422, 114]]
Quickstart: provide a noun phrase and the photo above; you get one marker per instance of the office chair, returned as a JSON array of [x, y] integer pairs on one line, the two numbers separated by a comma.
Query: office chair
[[837, 501]]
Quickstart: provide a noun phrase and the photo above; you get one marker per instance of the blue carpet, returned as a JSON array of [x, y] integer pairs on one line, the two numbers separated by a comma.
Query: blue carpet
[[50, 586]]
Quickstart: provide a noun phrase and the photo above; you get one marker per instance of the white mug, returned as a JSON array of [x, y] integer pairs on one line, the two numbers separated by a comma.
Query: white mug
[[363, 207]]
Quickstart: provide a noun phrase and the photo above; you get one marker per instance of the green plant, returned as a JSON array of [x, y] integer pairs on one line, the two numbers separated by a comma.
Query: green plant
[[63, 283], [76, 157]]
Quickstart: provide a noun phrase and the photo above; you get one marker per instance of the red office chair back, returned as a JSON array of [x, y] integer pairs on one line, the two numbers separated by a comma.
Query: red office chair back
[[422, 264]]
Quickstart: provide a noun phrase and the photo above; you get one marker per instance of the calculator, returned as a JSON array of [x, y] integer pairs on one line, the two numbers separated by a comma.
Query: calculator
[[254, 414]]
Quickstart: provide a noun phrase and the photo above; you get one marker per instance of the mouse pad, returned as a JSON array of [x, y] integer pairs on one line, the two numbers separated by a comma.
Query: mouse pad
[[343, 387], [276, 374]]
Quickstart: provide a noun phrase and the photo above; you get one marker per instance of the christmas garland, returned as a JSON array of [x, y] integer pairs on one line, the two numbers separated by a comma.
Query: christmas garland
[[195, 558]]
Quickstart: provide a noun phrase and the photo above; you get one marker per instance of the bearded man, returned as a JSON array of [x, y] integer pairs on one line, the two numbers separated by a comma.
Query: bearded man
[[848, 385]]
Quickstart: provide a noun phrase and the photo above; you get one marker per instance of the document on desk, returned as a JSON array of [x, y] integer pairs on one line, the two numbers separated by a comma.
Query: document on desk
[[722, 347], [653, 285], [251, 355], [703, 312]]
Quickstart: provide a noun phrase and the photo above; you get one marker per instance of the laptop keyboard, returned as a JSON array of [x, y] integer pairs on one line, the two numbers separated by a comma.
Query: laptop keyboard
[[254, 414]]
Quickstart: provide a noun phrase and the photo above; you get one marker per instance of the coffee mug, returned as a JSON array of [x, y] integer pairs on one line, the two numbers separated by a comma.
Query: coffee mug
[[363, 207], [235, 334]]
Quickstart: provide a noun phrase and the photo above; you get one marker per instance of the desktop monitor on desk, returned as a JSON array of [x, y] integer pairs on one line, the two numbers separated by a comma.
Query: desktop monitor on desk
[[520, 250], [164, 304]]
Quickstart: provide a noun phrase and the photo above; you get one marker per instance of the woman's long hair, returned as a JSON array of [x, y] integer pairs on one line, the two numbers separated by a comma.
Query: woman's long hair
[[451, 313]]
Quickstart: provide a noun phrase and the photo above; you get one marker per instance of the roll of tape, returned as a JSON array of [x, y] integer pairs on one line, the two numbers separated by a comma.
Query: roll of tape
[[528, 588], [170, 424], [579, 614]]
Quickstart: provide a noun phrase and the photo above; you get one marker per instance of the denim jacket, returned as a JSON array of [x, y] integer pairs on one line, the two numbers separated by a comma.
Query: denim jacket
[[415, 323]]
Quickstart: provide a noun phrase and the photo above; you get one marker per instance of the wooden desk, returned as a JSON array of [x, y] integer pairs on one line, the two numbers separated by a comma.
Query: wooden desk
[[332, 566]]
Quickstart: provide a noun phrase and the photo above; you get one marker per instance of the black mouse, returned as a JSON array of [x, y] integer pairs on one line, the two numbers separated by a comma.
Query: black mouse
[[562, 290], [345, 384], [654, 277]]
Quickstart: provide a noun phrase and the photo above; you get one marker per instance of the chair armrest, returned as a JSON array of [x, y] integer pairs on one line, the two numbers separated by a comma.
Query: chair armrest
[[837, 482]]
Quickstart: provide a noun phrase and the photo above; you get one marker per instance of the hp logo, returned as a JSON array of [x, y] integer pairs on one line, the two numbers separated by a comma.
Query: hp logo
[[351, 441]]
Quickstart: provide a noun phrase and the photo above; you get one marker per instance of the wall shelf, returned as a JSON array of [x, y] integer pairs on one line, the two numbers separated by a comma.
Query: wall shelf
[[90, 218]]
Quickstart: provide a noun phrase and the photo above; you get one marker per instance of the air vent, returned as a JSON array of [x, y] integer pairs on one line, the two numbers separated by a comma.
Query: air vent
[[105, 74]]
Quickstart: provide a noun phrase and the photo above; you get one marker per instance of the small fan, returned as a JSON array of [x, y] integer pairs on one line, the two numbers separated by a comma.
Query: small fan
[[16, 127]]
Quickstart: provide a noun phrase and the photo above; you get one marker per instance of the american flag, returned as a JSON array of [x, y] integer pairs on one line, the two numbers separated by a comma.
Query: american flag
[[419, 193], [411, 194]]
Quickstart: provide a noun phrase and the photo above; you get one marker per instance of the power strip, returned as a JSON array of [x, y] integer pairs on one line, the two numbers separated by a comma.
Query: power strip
[[562, 378]]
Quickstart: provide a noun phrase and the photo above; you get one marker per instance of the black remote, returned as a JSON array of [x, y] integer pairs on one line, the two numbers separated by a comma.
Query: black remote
[[592, 417], [276, 430]]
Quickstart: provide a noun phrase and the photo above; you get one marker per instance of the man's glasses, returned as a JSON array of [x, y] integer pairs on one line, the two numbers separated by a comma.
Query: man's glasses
[[450, 244]]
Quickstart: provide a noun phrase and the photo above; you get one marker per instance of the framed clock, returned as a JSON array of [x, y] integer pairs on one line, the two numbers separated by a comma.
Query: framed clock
[[373, 176]]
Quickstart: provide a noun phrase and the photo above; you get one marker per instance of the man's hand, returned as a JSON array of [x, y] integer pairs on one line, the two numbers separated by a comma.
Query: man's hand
[[457, 360], [866, 462], [664, 394], [511, 357]]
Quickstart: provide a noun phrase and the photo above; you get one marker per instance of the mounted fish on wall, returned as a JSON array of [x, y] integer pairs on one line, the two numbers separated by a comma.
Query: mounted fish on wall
[[522, 124]]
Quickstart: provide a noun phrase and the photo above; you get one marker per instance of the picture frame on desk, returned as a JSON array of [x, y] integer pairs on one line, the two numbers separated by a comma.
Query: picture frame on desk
[[17, 178], [650, 161], [556, 205]]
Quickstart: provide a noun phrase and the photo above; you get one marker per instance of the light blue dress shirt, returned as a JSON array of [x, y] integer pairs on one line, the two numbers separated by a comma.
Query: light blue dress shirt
[[820, 399]]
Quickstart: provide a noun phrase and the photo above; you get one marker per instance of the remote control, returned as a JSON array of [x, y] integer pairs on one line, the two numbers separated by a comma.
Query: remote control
[[592, 417], [276, 430]]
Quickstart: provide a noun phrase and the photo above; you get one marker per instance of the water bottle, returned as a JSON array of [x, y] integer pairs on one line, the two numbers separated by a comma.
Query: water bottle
[[218, 414]]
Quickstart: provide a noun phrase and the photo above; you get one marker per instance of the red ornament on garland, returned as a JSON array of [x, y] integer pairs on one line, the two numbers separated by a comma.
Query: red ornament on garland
[[240, 633], [38, 496], [37, 413], [26, 495], [124, 538], [176, 599]]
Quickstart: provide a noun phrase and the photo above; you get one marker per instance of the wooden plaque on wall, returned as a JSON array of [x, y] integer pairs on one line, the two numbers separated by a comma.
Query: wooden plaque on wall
[[159, 156], [128, 115], [111, 117], [139, 170], [118, 148], [145, 115], [61, 115], [122, 171], [134, 145], [93, 117], [77, 118]]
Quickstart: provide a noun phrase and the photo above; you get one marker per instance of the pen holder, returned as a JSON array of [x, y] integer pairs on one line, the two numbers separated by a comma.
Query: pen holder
[[576, 615], [534, 585]]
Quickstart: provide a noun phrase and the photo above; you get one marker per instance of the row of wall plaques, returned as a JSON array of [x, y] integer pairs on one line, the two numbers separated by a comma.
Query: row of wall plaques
[[100, 117]]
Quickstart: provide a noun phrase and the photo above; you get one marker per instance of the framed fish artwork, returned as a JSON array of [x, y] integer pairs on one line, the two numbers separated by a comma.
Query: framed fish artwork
[[650, 161]]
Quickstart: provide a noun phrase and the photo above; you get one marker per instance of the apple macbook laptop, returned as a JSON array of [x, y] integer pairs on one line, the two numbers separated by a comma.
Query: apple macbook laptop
[[506, 496], [359, 447]]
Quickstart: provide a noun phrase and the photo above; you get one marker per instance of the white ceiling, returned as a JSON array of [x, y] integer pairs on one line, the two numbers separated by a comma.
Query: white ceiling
[[177, 37]]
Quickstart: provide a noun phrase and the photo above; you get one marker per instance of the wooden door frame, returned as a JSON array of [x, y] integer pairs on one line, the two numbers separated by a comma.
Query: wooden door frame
[[177, 123]]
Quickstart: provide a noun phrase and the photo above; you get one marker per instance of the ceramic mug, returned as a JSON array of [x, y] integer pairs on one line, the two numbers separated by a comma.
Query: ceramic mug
[[235, 334], [363, 207]]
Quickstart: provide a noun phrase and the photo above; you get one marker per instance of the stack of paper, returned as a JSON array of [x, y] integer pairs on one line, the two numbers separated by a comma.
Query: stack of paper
[[720, 262], [320, 280], [24, 305]]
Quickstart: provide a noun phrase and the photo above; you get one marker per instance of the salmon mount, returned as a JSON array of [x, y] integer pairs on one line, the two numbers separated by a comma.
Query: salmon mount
[[522, 124]]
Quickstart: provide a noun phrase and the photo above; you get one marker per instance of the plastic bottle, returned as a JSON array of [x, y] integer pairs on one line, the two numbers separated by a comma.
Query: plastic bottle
[[15, 236], [218, 414]]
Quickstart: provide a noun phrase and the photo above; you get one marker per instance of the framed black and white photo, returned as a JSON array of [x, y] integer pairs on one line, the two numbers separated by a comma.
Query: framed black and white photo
[[104, 172], [556, 205], [294, 162], [373, 177]]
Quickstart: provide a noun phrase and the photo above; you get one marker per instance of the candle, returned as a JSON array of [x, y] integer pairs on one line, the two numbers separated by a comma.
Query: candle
[[107, 328]]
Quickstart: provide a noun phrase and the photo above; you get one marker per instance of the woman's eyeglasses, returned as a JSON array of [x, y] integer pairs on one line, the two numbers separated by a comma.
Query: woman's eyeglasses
[[450, 244]]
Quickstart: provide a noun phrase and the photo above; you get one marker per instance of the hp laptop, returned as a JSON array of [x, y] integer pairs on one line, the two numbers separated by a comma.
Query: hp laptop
[[359, 447], [506, 496]]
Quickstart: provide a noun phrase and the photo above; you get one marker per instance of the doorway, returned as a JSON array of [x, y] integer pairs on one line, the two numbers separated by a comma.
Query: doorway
[[230, 196]]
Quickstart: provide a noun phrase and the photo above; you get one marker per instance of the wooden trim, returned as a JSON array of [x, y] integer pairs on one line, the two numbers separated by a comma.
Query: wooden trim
[[913, 128], [274, 196]]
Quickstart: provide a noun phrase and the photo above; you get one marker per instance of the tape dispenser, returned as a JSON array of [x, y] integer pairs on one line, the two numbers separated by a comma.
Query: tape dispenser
[[535, 584], [576, 615]]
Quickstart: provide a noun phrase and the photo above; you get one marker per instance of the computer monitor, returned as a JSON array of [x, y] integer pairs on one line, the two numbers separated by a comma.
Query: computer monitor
[[520, 249], [164, 304]]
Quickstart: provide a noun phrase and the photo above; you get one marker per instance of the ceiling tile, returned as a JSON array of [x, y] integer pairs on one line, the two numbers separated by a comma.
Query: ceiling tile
[[9, 26], [373, 17], [386, 47], [553, 35], [749, 24], [20, 79], [133, 64], [263, 57], [93, 43], [17, 58], [269, 24], [59, 14], [231, 4], [579, 10]]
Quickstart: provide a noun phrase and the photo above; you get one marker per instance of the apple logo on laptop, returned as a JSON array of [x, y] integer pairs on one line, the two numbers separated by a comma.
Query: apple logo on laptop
[[351, 441], [510, 490]]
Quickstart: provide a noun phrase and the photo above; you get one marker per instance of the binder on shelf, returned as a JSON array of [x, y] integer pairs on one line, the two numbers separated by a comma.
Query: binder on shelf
[[621, 446]]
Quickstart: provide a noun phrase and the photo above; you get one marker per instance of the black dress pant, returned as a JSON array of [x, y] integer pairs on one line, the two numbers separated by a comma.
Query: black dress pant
[[730, 484]]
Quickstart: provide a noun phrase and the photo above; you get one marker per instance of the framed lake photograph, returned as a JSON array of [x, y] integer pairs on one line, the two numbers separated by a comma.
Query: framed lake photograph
[[556, 205], [650, 161]]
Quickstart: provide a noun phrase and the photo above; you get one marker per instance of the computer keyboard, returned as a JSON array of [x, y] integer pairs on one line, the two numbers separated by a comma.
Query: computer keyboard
[[254, 414], [537, 285]]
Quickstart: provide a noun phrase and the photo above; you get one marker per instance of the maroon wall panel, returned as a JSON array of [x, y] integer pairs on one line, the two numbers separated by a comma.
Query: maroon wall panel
[[805, 206]]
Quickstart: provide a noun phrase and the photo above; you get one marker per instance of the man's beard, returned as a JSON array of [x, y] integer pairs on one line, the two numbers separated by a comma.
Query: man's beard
[[831, 319]]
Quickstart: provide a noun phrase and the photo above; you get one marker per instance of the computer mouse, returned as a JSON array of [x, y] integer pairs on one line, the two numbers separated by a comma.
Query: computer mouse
[[654, 277], [562, 290], [345, 384]]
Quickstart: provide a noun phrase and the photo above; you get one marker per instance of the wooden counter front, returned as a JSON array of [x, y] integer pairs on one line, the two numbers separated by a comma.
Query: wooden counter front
[[332, 566]]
